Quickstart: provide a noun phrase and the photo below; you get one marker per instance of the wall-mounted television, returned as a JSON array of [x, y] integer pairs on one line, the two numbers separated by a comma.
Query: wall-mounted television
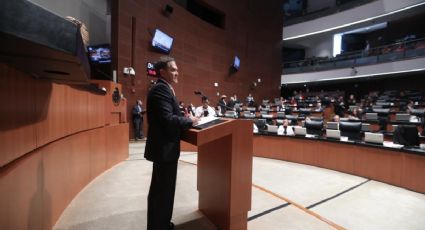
[[100, 53], [236, 63], [162, 41], [150, 69]]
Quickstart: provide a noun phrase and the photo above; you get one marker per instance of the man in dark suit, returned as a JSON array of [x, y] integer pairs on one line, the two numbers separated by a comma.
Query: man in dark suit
[[138, 120], [163, 144]]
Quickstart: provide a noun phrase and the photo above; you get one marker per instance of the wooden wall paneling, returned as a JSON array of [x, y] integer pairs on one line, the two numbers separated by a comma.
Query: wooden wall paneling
[[96, 111], [50, 107], [76, 110], [379, 164], [310, 152], [21, 194], [17, 114], [97, 152], [116, 144], [413, 176], [79, 161], [58, 186], [337, 156]]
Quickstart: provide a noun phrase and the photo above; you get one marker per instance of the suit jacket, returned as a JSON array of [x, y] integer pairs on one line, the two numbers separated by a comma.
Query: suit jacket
[[165, 124]]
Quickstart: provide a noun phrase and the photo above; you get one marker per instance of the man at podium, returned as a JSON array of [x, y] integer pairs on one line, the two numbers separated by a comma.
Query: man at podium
[[163, 144]]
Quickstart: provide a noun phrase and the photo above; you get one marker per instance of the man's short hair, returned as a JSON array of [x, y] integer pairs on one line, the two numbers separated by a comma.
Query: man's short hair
[[204, 98], [162, 63]]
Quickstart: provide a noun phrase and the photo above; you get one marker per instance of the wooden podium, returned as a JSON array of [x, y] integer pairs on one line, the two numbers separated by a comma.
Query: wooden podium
[[224, 172]]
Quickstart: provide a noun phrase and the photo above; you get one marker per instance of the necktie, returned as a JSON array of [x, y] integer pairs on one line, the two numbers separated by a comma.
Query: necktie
[[284, 130]]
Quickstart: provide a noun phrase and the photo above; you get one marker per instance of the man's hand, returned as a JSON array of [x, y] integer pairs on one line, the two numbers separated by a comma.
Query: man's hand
[[195, 120]]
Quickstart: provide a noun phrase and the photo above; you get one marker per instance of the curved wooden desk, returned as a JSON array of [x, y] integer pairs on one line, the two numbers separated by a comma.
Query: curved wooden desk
[[403, 168]]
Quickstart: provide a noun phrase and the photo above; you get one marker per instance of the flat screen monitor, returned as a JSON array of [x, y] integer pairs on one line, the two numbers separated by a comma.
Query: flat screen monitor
[[100, 54], [150, 69], [162, 41], [236, 63]]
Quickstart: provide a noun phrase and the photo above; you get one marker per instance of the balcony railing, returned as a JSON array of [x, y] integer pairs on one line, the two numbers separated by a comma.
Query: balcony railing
[[397, 51]]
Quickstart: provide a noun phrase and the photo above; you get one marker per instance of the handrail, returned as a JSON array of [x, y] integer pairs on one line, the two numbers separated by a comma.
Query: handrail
[[401, 49]]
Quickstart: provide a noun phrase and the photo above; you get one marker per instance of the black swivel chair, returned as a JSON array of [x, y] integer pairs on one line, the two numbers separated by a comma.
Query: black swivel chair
[[314, 127], [288, 110], [406, 135], [304, 112], [351, 130], [261, 124]]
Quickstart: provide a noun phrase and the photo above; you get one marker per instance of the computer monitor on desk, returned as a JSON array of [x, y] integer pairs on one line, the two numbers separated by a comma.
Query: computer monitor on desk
[[272, 128], [332, 125], [371, 116], [402, 117], [333, 134], [351, 130], [375, 138], [300, 131]]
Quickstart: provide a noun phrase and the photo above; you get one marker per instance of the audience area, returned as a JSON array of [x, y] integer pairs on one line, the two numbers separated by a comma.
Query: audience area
[[390, 117]]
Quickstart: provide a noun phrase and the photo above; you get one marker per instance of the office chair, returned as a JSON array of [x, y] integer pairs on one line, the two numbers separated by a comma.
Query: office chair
[[351, 130]]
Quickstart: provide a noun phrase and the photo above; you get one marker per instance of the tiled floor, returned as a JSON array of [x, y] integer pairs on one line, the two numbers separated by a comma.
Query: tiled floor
[[284, 196]]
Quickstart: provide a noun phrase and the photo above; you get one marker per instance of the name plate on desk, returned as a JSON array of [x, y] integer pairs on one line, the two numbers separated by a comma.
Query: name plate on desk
[[206, 122]]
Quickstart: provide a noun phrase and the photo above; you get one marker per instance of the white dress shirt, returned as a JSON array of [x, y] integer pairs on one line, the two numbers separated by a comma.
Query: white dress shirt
[[199, 112]]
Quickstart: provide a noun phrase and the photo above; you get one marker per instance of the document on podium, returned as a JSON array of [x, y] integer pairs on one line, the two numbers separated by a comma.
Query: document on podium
[[206, 122]]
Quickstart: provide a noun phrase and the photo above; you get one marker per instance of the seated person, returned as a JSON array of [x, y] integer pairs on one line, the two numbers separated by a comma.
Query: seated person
[[222, 104], [231, 103], [351, 100], [286, 129], [336, 118], [318, 107], [410, 106], [205, 110], [250, 101], [191, 109], [356, 114]]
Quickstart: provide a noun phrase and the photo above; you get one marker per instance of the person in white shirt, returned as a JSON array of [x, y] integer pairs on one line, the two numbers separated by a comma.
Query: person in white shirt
[[285, 129], [205, 110]]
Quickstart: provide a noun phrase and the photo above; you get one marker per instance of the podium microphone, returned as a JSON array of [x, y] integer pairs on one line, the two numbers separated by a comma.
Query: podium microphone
[[198, 93]]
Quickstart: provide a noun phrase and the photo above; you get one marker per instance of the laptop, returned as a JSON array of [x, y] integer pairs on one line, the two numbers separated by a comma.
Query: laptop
[[402, 117], [365, 127], [333, 134], [332, 125], [371, 116], [272, 128], [298, 130], [375, 138]]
